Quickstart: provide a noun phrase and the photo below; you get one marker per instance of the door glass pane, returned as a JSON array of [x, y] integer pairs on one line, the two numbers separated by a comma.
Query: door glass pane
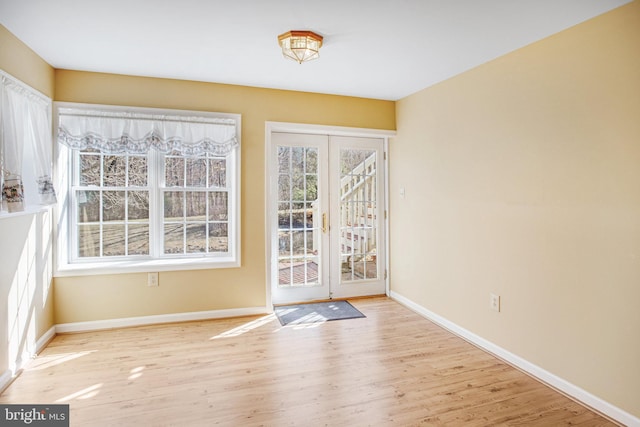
[[358, 222], [298, 222]]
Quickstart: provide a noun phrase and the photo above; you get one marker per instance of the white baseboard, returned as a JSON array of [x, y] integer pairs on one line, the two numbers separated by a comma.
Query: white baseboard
[[96, 325], [14, 370], [547, 377], [5, 379], [45, 338]]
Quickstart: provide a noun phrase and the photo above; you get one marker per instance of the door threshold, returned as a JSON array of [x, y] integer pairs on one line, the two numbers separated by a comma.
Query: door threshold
[[327, 300]]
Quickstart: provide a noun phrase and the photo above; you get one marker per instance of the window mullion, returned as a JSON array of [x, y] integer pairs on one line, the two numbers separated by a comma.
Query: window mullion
[[72, 222], [155, 185], [101, 204]]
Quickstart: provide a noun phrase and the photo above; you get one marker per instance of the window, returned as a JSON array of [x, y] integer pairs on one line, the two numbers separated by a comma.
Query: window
[[110, 201], [159, 193]]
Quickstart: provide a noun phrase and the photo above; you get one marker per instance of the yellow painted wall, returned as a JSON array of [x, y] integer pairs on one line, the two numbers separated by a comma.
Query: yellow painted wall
[[23, 63], [522, 178], [26, 300], [127, 295]]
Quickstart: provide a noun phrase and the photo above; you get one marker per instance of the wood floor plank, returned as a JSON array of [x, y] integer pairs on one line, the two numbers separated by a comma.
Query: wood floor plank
[[392, 368]]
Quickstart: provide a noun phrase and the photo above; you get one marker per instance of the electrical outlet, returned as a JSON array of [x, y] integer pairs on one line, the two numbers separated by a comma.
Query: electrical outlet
[[494, 302], [152, 279]]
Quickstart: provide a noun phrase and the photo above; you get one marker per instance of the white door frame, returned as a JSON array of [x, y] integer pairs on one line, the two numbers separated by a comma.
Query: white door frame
[[271, 127]]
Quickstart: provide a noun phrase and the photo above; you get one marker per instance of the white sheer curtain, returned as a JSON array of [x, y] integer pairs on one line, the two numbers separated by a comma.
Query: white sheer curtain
[[136, 132], [25, 128]]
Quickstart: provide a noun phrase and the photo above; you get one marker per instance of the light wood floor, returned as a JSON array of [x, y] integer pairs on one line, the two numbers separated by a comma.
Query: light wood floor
[[392, 368]]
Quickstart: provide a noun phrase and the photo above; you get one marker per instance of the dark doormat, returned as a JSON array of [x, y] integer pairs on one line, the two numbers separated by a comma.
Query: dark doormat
[[316, 312]]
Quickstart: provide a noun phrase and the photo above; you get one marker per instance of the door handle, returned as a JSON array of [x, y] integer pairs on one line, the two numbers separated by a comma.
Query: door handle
[[324, 222]]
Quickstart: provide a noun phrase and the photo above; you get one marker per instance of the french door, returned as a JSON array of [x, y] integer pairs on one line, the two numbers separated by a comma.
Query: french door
[[326, 217]]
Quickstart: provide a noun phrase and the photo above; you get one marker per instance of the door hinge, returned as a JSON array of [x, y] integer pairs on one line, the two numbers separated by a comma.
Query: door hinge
[[385, 214], [384, 155], [385, 274]]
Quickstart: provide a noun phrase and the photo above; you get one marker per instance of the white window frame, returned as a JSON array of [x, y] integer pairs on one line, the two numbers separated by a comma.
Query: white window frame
[[66, 265]]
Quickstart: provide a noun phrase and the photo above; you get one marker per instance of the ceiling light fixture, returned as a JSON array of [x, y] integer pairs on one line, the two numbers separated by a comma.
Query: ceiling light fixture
[[300, 46]]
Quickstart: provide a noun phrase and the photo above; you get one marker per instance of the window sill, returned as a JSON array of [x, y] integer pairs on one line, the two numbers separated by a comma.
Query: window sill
[[29, 210], [144, 266]]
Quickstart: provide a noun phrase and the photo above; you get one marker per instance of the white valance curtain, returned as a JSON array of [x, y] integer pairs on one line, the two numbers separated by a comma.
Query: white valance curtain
[[25, 130], [137, 132]]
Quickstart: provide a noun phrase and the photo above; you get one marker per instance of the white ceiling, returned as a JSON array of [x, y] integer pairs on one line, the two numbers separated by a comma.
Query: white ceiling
[[384, 49]]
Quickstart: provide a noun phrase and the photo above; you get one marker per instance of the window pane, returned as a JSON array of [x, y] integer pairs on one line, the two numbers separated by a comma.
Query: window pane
[[113, 240], [113, 205], [174, 172], [196, 172], [173, 205], [138, 171], [218, 238], [138, 205], [196, 207], [217, 173], [173, 239], [114, 172], [196, 238], [138, 239], [89, 241], [89, 169], [88, 206], [218, 208]]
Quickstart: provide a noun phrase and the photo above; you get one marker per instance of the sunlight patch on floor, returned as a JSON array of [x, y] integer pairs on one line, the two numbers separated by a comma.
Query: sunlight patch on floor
[[135, 373], [44, 362], [246, 327], [85, 393]]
